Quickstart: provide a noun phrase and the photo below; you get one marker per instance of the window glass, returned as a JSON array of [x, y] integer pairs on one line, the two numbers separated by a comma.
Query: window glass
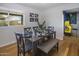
[[15, 19], [11, 19], [3, 21]]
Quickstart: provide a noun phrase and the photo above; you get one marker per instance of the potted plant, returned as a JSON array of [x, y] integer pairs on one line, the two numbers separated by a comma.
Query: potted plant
[[41, 26]]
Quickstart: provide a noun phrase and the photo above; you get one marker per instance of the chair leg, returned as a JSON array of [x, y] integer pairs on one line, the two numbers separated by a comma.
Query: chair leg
[[18, 52], [57, 46], [23, 53]]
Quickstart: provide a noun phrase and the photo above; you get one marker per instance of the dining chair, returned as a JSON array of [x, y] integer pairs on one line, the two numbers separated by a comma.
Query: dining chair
[[22, 47], [28, 32], [35, 29], [38, 33], [28, 35], [50, 32]]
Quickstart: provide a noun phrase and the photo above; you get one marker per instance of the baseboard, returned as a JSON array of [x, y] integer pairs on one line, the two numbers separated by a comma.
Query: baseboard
[[6, 44], [59, 38]]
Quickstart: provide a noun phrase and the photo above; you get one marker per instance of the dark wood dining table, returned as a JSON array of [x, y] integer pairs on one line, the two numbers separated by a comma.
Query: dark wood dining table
[[34, 40]]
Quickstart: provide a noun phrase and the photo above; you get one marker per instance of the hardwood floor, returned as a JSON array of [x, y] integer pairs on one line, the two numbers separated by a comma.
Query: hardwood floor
[[71, 44], [67, 47], [9, 50]]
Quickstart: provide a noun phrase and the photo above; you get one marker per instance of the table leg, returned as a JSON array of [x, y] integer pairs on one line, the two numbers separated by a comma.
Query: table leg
[[76, 34], [33, 48], [57, 47], [54, 35]]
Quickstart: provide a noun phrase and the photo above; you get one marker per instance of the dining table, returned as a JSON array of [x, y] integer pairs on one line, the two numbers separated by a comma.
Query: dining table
[[34, 40]]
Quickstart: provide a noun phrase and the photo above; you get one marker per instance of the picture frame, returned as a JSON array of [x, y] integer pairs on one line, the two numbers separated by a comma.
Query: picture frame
[[31, 19], [36, 15], [36, 19], [31, 14]]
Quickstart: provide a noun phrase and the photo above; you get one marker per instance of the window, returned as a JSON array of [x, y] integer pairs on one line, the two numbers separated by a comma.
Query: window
[[3, 21], [15, 19], [10, 19]]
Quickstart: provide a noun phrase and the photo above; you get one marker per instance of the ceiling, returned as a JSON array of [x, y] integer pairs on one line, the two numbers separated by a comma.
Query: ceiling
[[72, 10], [41, 6]]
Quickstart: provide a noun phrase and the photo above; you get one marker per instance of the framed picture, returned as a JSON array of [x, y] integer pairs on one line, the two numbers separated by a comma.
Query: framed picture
[[36, 19], [73, 18], [31, 14], [36, 15], [31, 19]]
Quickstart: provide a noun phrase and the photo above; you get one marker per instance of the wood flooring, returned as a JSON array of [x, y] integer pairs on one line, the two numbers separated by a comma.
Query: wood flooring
[[67, 47]]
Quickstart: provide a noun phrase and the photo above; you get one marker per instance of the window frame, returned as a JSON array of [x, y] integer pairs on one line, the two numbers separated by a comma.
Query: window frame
[[14, 14]]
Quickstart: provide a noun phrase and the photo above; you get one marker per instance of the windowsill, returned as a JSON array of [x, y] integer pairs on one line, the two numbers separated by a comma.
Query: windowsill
[[12, 26]]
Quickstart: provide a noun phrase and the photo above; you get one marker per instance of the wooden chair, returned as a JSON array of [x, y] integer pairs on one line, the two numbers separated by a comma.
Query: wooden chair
[[35, 29], [38, 34], [28, 32], [50, 32], [22, 47]]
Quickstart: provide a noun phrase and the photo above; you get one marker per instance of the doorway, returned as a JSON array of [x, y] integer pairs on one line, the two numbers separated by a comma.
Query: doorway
[[71, 31], [71, 23]]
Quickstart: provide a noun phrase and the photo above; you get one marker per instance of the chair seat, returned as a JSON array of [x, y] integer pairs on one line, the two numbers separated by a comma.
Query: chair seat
[[28, 36], [27, 47]]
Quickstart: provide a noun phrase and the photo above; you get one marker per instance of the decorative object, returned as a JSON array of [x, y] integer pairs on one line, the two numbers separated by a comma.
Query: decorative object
[[31, 14], [73, 18], [36, 19], [36, 15], [41, 26], [33, 17]]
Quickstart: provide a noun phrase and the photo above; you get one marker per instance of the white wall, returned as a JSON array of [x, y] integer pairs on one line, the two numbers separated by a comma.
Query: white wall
[[78, 20], [7, 33], [54, 17], [77, 23]]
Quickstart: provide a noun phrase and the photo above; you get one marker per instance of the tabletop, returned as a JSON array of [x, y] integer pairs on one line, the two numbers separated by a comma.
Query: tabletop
[[33, 39]]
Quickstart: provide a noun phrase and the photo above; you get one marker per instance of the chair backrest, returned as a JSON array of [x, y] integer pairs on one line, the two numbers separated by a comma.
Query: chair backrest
[[50, 29], [28, 32], [35, 29], [20, 41], [28, 29], [38, 33]]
